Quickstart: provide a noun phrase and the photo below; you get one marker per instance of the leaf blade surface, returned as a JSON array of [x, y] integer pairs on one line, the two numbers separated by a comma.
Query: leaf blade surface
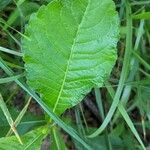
[[72, 48]]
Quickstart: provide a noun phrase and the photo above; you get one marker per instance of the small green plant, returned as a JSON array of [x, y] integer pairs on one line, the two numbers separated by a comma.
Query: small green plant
[[69, 48]]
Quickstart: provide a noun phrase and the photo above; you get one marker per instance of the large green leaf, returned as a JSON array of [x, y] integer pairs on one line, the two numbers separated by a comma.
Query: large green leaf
[[31, 141], [71, 49]]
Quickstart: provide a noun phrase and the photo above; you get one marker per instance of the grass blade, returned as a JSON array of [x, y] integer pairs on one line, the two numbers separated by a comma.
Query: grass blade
[[142, 61], [20, 116], [10, 79], [6, 50], [101, 111], [130, 124], [124, 74], [125, 115], [9, 118]]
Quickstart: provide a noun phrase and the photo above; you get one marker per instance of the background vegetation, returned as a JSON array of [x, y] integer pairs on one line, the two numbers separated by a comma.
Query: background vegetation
[[129, 84]]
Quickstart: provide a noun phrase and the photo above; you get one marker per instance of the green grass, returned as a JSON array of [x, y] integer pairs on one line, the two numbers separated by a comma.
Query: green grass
[[122, 104]]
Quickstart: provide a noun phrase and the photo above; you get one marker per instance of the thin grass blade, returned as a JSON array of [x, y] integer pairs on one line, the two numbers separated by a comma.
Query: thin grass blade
[[9, 118]]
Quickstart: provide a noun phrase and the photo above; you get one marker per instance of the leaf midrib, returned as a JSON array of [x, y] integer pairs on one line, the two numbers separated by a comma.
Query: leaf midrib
[[70, 56]]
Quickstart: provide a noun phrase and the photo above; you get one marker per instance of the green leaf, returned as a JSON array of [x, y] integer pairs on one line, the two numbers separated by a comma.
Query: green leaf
[[143, 15], [71, 48], [57, 140], [31, 141]]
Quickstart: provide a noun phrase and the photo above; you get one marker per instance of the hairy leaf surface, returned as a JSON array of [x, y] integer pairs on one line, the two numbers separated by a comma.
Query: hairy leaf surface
[[71, 49]]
